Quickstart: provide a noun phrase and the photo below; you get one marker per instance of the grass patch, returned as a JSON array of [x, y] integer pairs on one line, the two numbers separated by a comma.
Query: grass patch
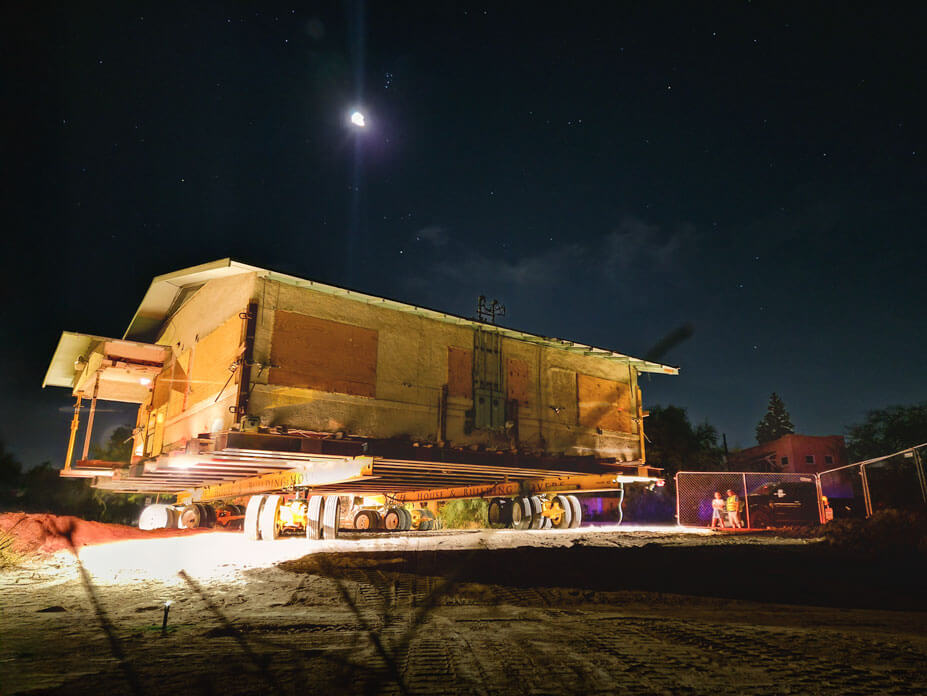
[[464, 514], [9, 556]]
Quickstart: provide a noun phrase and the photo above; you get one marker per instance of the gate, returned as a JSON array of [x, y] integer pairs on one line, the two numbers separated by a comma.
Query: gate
[[767, 499]]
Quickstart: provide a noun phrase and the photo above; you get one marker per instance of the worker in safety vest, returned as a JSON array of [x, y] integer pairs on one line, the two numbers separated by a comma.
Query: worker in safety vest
[[732, 506]]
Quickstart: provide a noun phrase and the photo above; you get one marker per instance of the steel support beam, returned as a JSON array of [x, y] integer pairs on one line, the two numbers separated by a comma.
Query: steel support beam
[[311, 474], [583, 483]]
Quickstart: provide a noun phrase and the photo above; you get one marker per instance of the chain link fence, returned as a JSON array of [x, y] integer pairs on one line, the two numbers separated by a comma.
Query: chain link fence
[[896, 481], [843, 490], [764, 499]]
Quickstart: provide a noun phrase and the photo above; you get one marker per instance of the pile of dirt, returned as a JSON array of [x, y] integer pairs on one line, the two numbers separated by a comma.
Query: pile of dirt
[[886, 532], [46, 533]]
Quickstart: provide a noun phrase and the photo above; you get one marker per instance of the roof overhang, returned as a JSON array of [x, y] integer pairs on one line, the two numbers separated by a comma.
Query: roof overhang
[[164, 289], [120, 370]]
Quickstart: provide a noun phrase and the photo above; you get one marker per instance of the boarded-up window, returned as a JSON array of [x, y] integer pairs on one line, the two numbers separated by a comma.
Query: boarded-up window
[[460, 373], [517, 381], [320, 354], [213, 356], [604, 403]]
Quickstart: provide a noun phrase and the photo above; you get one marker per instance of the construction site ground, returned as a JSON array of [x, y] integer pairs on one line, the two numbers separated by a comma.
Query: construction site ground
[[593, 610]]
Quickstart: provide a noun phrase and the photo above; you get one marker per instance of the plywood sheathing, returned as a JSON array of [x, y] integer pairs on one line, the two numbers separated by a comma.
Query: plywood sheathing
[[459, 373], [324, 355]]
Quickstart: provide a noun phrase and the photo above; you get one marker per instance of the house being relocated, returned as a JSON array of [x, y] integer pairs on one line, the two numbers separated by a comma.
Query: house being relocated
[[240, 371]]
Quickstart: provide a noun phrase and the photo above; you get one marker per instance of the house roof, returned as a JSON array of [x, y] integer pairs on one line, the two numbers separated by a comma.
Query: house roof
[[162, 293]]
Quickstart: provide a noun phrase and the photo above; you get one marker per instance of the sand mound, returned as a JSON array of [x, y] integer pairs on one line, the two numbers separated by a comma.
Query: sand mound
[[46, 533]]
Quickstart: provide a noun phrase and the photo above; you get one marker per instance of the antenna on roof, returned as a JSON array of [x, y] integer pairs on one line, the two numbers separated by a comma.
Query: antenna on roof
[[487, 312]]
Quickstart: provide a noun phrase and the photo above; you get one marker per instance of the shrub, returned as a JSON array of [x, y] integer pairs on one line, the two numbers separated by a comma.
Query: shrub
[[887, 531], [464, 514]]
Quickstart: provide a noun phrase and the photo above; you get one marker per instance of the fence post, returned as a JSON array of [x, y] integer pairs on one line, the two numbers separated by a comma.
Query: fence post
[[817, 485], [676, 479], [919, 468], [746, 500], [867, 501]]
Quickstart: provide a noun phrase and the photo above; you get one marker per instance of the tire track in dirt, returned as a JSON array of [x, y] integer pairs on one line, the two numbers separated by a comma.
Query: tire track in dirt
[[761, 652]]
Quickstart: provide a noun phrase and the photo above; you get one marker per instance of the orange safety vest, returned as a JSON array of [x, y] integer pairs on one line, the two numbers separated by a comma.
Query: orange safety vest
[[732, 501]]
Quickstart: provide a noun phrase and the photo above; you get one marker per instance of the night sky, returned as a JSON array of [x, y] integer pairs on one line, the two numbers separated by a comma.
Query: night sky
[[609, 171]]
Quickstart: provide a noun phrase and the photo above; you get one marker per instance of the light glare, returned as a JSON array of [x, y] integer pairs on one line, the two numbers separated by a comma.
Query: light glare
[[358, 119]]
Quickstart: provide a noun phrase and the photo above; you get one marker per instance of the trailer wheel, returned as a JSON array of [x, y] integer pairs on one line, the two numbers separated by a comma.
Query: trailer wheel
[[156, 516], [520, 513], [252, 517], [189, 517], [577, 511], [536, 507], [406, 520], [211, 516], [500, 512], [365, 520], [427, 522], [267, 521], [314, 516], [392, 520], [207, 515], [563, 518], [331, 517]]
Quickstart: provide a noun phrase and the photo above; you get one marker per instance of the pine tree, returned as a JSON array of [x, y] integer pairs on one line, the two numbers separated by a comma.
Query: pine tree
[[775, 423]]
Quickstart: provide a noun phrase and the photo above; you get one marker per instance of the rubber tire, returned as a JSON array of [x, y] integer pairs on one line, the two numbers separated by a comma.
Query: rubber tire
[[428, 520], [189, 517], [537, 519], [496, 512], [407, 520], [577, 518], [156, 516], [392, 520], [210, 515], [253, 516], [364, 521], [314, 508], [567, 517], [520, 513], [331, 517], [267, 522]]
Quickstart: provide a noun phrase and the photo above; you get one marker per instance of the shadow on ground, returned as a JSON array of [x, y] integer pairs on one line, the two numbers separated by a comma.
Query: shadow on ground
[[807, 575]]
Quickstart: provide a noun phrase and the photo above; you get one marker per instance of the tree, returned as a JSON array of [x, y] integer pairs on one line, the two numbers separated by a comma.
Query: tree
[[10, 472], [674, 444], [887, 430], [117, 449], [117, 507], [775, 423]]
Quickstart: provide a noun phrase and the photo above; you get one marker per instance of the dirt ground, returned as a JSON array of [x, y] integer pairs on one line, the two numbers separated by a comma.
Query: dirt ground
[[602, 610]]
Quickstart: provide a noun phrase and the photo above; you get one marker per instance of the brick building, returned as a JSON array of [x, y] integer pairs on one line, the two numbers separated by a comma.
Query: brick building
[[805, 454]]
